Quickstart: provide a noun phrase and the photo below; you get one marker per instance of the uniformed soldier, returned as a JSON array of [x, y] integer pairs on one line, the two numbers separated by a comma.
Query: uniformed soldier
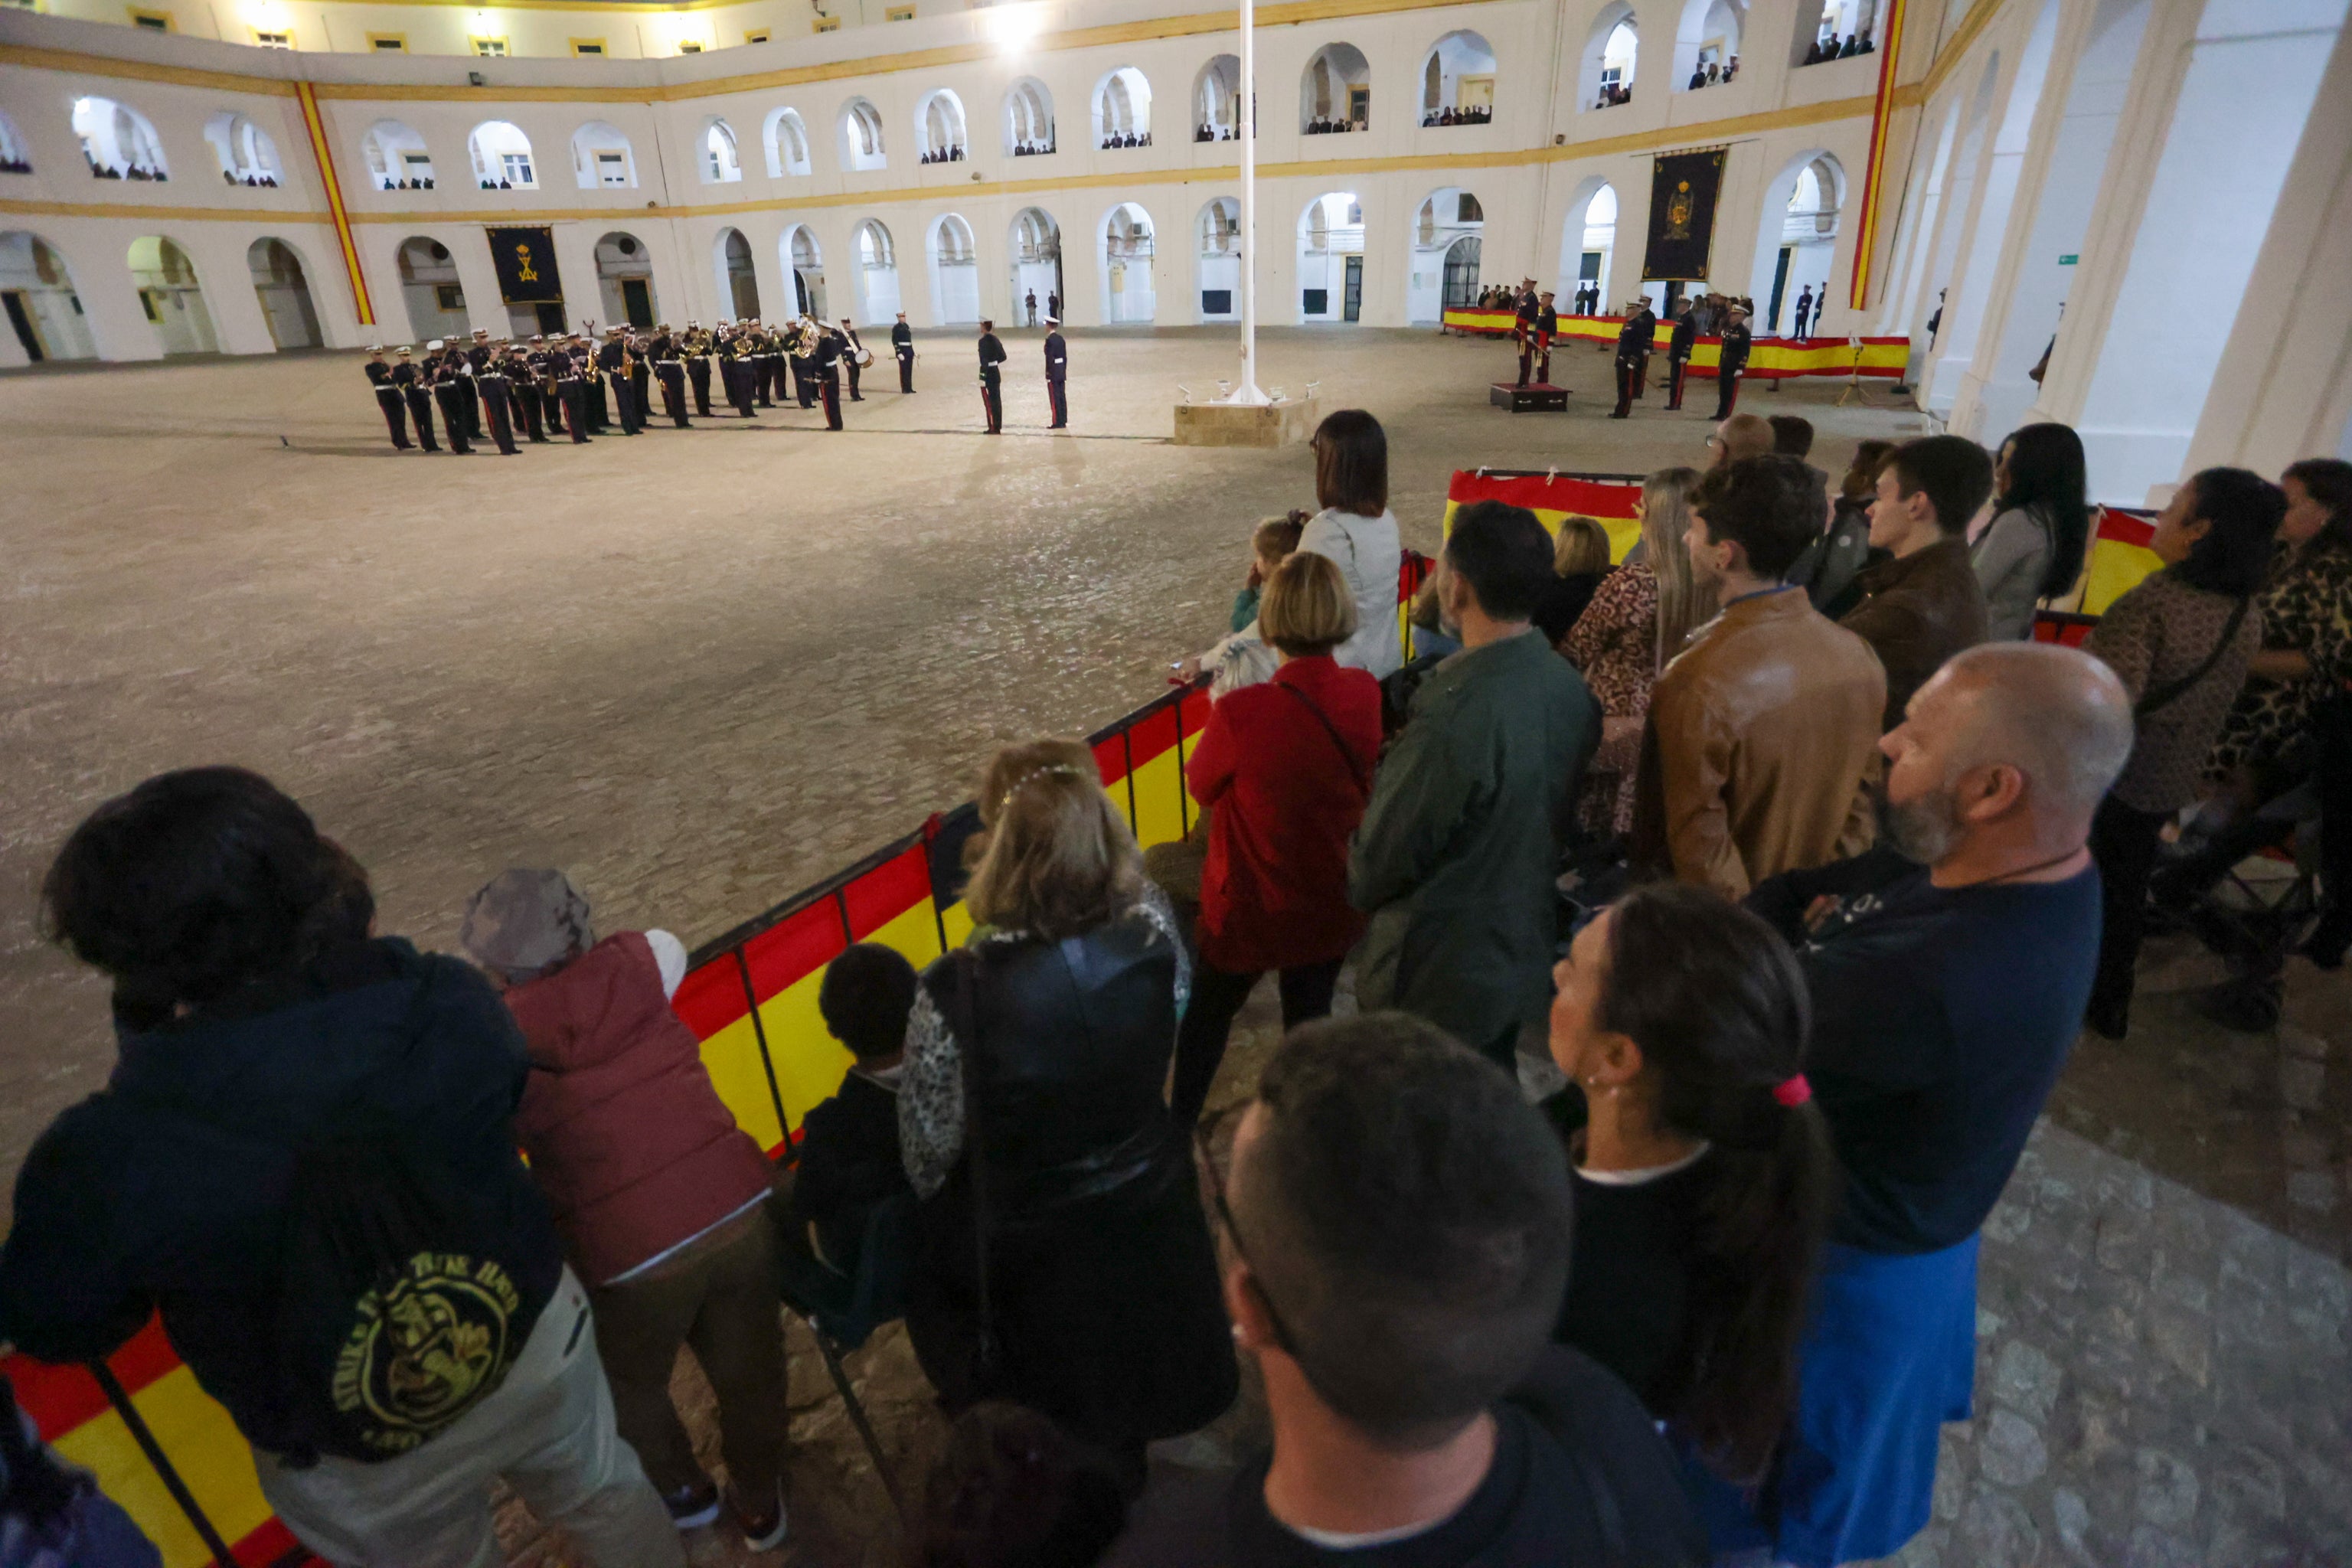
[[1678, 353], [615, 360], [991, 380], [902, 344], [528, 372], [443, 370], [1633, 341], [669, 366], [797, 343], [474, 355], [571, 385], [414, 391], [825, 359], [387, 397], [736, 359], [1547, 329], [641, 375], [1734, 359], [1649, 344], [696, 351], [851, 351], [599, 406], [1033, 310], [492, 387], [763, 357], [1058, 370], [1522, 327]]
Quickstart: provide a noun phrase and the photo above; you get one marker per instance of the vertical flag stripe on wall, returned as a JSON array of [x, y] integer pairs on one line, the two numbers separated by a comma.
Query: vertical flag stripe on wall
[[1874, 173], [324, 155]]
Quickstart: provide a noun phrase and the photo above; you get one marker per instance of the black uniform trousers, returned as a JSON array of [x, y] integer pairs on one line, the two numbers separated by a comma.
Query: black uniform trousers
[[2123, 841], [1676, 370], [600, 411], [641, 383], [420, 412], [472, 398], [1640, 375], [1629, 372], [672, 385], [767, 378], [698, 371], [1727, 391], [828, 389], [625, 403], [992, 403], [574, 394], [452, 399], [850, 365], [1527, 358], [803, 382], [395, 417], [906, 370], [533, 403], [1057, 393], [498, 413]]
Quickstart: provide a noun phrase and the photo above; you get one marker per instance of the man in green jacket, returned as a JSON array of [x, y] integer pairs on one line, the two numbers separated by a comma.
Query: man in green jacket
[[1456, 859]]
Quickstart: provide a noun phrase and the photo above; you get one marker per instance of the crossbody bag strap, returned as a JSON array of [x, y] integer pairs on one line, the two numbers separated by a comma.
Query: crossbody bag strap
[[1355, 768], [2166, 695], [967, 1028]]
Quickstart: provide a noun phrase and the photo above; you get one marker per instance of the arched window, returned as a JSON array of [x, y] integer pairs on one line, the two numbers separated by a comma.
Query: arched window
[[940, 127], [1797, 240], [118, 141], [15, 158], [1331, 258], [1458, 81], [861, 136], [1335, 91], [874, 245], [1834, 29], [624, 281], [1706, 43], [1586, 244], [1606, 77], [721, 166], [1446, 239], [738, 282], [396, 158], [1036, 262], [430, 284], [502, 159], [247, 156], [1122, 110], [1028, 119], [788, 144], [1217, 100], [600, 157]]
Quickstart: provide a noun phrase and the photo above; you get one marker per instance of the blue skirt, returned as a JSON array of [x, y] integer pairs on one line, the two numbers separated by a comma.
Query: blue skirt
[[1888, 1357]]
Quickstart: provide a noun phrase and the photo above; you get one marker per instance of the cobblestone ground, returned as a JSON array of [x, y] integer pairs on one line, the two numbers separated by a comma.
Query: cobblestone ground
[[701, 669]]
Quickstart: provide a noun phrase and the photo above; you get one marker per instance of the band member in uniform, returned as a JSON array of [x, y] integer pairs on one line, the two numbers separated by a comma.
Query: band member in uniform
[[1547, 329], [491, 385], [696, 351], [991, 380], [571, 386], [641, 376], [474, 355], [1058, 370], [618, 366], [670, 366], [735, 366], [902, 343], [1522, 327], [852, 350], [415, 390], [767, 364], [1736, 344], [442, 370], [1678, 353], [387, 397], [1630, 349], [799, 344], [825, 357]]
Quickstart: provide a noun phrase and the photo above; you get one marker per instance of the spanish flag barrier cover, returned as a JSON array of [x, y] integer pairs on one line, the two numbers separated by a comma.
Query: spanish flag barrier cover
[[1770, 359], [164, 1449]]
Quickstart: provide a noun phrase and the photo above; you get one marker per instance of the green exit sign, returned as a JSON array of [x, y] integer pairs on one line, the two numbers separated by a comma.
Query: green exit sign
[[2068, 260]]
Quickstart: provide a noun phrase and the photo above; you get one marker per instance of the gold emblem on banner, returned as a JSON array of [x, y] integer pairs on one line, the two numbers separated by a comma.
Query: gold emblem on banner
[[523, 271], [1680, 206]]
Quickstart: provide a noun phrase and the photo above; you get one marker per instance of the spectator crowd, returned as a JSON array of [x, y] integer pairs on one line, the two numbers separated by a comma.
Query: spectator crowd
[[1720, 920]]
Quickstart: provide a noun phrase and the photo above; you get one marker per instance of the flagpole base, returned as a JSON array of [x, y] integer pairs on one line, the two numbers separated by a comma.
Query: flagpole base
[[1284, 423]]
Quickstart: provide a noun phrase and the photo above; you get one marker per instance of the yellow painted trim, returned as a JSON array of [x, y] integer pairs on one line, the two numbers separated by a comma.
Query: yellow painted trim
[[825, 24], [598, 45], [759, 35], [140, 13], [263, 215], [1949, 52], [898, 14], [80, 64]]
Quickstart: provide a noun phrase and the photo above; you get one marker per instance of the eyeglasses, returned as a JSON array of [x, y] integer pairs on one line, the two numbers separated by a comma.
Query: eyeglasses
[[1213, 1188]]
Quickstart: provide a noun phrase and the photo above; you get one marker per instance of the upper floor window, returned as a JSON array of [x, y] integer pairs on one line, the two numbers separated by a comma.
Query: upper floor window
[[490, 49], [583, 48], [277, 40], [153, 21]]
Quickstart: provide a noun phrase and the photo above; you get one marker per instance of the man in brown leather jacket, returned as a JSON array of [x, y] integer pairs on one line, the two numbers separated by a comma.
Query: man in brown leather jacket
[[1925, 604], [1762, 733]]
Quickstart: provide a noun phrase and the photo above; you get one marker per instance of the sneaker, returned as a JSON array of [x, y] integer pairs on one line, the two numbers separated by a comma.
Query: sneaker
[[764, 1531], [691, 1507]]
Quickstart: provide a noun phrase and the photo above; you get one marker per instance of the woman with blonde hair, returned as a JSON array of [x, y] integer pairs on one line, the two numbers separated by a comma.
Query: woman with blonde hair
[[1062, 1259], [1638, 620], [1579, 560]]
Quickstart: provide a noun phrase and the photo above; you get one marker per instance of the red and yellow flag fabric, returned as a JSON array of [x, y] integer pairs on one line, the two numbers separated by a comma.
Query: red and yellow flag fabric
[[1608, 498], [1770, 359], [2120, 558]]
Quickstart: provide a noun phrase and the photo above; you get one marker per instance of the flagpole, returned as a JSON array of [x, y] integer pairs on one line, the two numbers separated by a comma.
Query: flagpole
[[1248, 391]]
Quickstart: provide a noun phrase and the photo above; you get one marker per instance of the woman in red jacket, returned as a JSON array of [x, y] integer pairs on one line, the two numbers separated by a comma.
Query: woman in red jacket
[[1287, 768], [661, 1200]]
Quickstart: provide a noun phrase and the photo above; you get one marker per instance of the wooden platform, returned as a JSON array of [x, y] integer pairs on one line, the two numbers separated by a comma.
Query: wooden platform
[[1536, 397]]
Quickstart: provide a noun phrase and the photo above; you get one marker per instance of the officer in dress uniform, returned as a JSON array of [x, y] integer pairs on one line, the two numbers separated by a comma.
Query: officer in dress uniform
[[1805, 309], [1678, 353], [669, 366], [491, 384], [1547, 329], [387, 397], [696, 350], [1057, 372], [902, 344], [850, 349], [1632, 348], [991, 380], [444, 371], [1649, 318], [1523, 327], [825, 359], [1736, 344], [613, 359], [571, 378], [415, 390]]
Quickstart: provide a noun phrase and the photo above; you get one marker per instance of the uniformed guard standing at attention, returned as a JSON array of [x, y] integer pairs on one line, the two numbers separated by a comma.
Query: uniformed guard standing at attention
[[1631, 348], [1522, 327], [696, 350], [387, 397], [415, 392], [852, 350], [670, 366], [825, 357], [498, 410], [1057, 370], [571, 385], [1736, 344], [615, 360], [1649, 318], [442, 368], [1678, 353], [1547, 329], [902, 343], [991, 380]]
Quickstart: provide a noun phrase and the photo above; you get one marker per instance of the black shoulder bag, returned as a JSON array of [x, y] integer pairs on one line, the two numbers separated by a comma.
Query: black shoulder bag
[[1354, 767], [2172, 691]]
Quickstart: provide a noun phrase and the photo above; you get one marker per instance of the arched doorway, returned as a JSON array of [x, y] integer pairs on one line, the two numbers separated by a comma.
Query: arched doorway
[[1587, 243], [1036, 262], [429, 285], [38, 294], [1444, 259], [1217, 100], [625, 281], [1797, 241], [1126, 253], [877, 274], [171, 296], [955, 273], [805, 261], [738, 282], [1331, 258], [1335, 91], [1221, 261], [1605, 76], [1122, 112], [1458, 81], [1028, 119], [285, 293]]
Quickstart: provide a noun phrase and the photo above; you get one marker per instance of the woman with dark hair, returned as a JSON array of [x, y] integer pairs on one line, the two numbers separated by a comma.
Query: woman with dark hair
[[1061, 1258], [2181, 642], [1358, 532], [2305, 610], [1703, 1175], [2033, 548]]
